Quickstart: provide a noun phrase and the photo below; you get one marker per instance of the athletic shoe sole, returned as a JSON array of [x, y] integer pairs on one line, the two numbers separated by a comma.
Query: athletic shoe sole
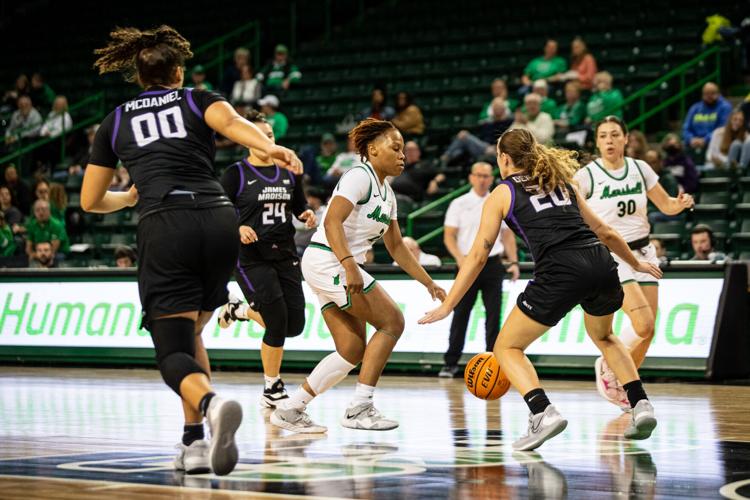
[[644, 427], [279, 422], [269, 403], [201, 469], [553, 431], [349, 424], [223, 454]]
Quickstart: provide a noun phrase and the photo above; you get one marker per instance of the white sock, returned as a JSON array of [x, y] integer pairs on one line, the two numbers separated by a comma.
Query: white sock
[[628, 336], [297, 400], [362, 394], [270, 380]]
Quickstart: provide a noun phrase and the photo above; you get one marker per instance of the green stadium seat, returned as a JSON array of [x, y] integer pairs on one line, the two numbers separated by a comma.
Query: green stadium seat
[[743, 256], [715, 184], [705, 213], [742, 211], [669, 227], [740, 242], [715, 197], [745, 227]]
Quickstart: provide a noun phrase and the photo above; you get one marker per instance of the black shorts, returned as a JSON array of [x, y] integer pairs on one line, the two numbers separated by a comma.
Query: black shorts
[[186, 258], [266, 281], [572, 276]]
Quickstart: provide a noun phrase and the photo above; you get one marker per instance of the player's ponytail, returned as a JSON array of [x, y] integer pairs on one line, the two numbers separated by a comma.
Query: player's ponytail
[[149, 57], [548, 167], [366, 132]]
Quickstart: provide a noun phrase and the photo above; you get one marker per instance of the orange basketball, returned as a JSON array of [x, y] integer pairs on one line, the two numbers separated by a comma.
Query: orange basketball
[[484, 378]]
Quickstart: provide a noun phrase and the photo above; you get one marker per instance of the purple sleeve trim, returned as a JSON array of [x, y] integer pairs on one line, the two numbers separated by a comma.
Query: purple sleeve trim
[[244, 276], [191, 103], [511, 217], [242, 180], [118, 117], [291, 177]]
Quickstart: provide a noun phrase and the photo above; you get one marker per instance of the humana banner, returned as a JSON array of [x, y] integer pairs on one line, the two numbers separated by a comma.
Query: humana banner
[[107, 314]]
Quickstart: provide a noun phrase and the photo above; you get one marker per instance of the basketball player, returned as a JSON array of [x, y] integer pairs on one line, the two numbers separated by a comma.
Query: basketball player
[[266, 198], [618, 188], [187, 230], [361, 211], [571, 267]]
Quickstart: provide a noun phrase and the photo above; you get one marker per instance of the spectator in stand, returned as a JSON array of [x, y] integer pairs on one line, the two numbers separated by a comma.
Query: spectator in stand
[[549, 66], [573, 112], [280, 73], [728, 145], [42, 191], [419, 178], [604, 100], [58, 120], [41, 94], [471, 147], [679, 164], [25, 122], [269, 106], [21, 87], [232, 72], [499, 89], [668, 181], [58, 201], [124, 256], [637, 145], [705, 116], [549, 105], [344, 162], [246, 90], [198, 77], [43, 255], [378, 108], [408, 118], [535, 120], [582, 65], [81, 159], [424, 259], [328, 152], [661, 250], [20, 191], [316, 201], [43, 227], [703, 241], [7, 239], [11, 213]]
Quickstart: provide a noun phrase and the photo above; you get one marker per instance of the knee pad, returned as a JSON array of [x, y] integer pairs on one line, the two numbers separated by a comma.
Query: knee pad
[[330, 371], [295, 322], [274, 315], [174, 342]]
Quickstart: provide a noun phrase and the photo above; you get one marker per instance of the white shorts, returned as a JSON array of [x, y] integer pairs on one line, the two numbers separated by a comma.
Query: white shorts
[[326, 277], [628, 274]]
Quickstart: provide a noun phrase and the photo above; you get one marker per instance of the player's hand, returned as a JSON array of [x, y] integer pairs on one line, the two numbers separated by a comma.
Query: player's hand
[[435, 315], [286, 158], [649, 268], [436, 292], [132, 196], [308, 217], [685, 200], [515, 271], [247, 235], [354, 281]]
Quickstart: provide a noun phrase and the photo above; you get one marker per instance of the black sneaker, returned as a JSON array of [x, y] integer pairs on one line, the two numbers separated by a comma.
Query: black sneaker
[[272, 396], [449, 371]]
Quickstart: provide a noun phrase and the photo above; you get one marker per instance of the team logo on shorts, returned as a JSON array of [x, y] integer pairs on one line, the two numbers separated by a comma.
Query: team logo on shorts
[[336, 280]]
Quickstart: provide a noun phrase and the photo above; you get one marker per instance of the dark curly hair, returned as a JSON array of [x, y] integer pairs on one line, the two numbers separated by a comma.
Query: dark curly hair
[[366, 132]]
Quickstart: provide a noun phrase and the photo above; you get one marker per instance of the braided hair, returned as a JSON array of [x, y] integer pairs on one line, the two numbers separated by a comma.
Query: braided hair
[[366, 132]]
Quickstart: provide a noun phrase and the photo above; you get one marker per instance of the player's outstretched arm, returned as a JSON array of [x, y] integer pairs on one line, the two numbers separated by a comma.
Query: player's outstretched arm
[[613, 240], [669, 205], [95, 196], [222, 117], [493, 212], [394, 243]]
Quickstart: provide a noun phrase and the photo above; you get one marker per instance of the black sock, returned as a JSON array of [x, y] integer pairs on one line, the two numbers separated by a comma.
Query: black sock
[[635, 392], [205, 401], [537, 401], [191, 433]]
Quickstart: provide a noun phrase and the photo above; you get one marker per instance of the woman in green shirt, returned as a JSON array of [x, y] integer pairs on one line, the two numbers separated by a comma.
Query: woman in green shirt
[[605, 100], [573, 112], [544, 67]]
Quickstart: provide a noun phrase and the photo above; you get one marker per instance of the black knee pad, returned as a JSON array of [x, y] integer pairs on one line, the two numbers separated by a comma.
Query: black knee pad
[[275, 316], [174, 342], [295, 322]]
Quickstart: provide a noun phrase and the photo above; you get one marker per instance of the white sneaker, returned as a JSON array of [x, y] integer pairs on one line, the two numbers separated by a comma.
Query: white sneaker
[[609, 387], [644, 421], [273, 396], [296, 420], [193, 459], [224, 417], [542, 426], [366, 417], [228, 312]]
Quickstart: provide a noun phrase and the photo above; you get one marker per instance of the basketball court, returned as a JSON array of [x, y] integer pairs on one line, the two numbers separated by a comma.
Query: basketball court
[[95, 433]]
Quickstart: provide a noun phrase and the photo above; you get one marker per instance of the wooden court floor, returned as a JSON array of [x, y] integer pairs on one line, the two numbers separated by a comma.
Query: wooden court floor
[[90, 434]]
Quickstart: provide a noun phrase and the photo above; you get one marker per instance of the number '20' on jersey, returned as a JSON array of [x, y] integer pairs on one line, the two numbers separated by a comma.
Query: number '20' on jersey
[[546, 220]]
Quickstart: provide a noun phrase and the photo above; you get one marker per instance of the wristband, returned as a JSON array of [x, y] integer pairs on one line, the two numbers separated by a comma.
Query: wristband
[[347, 257], [512, 263]]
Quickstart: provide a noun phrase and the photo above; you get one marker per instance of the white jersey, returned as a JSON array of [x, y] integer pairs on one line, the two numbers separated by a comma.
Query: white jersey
[[619, 196], [374, 209]]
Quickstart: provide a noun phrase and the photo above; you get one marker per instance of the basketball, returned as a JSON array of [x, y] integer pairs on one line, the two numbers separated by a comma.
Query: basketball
[[484, 378]]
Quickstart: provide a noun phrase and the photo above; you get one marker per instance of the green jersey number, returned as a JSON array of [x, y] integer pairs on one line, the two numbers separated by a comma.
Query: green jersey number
[[625, 208]]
